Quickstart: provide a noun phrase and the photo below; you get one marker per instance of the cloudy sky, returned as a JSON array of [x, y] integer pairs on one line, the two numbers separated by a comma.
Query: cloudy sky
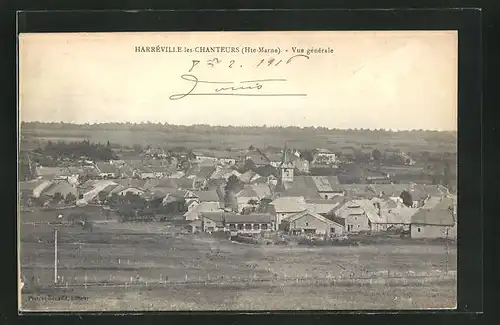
[[391, 80]]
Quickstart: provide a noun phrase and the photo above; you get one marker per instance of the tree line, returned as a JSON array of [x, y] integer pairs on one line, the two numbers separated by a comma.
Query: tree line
[[76, 149], [204, 128]]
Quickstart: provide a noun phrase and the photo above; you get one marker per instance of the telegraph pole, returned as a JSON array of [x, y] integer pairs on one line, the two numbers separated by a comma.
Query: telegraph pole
[[55, 256], [447, 251]]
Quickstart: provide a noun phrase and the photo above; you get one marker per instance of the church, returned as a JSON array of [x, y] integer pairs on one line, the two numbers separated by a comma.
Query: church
[[310, 187]]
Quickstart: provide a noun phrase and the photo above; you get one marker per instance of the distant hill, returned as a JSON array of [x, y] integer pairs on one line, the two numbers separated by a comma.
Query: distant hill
[[231, 137]]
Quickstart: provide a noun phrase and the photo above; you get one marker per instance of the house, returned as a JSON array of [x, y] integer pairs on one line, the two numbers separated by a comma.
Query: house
[[202, 176], [398, 218], [284, 207], [132, 190], [191, 204], [311, 223], [435, 222], [107, 170], [207, 196], [91, 189], [224, 173], [258, 159], [160, 171], [275, 159], [212, 221], [144, 172], [203, 207], [249, 193], [313, 187], [362, 215], [325, 156], [323, 206], [50, 173], [126, 171], [203, 157], [316, 169], [248, 176], [380, 179], [358, 191], [227, 157], [63, 188], [34, 188], [172, 194], [354, 215], [245, 197], [249, 223], [301, 165]]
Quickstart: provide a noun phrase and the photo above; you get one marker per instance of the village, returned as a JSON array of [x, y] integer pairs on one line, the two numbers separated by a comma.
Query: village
[[315, 193]]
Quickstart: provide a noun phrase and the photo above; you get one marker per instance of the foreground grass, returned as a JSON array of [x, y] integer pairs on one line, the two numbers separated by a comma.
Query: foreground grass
[[165, 271]]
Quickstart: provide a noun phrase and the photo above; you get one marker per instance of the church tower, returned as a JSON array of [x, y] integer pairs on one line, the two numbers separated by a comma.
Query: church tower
[[286, 167]]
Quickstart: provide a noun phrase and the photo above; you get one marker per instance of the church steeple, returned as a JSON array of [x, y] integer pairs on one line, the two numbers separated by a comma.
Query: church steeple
[[286, 167]]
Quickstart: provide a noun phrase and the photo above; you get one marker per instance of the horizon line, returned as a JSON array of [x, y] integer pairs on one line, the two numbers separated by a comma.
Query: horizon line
[[240, 126]]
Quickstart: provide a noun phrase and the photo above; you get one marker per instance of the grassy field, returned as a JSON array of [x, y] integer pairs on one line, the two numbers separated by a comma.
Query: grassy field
[[219, 139], [120, 266]]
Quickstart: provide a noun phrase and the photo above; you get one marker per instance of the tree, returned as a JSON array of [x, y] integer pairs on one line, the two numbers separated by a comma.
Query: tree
[[308, 155], [249, 165], [253, 202], [248, 210], [251, 147], [407, 198], [102, 196], [137, 148], [376, 154], [114, 199], [230, 189], [70, 198], [57, 197], [264, 204]]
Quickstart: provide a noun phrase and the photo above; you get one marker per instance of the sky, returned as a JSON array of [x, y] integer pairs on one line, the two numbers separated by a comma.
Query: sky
[[373, 79]]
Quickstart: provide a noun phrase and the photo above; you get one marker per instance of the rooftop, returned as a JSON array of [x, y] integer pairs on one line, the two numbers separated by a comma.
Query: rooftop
[[289, 204], [248, 218]]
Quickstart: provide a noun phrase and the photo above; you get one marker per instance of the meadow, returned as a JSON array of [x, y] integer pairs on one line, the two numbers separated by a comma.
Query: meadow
[[122, 266]]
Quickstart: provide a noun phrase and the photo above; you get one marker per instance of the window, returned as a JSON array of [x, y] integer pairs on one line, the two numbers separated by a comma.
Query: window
[[248, 227], [240, 226], [418, 229], [307, 223], [232, 226], [332, 230], [263, 226], [326, 197], [256, 226]]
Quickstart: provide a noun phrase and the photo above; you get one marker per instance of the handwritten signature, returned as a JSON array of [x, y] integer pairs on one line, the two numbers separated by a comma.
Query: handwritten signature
[[229, 88]]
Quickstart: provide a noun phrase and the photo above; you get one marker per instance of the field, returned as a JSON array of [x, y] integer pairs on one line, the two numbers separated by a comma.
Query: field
[[121, 266], [220, 138]]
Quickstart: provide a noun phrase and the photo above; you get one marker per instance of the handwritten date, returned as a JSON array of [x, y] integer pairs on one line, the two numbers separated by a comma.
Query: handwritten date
[[232, 63]]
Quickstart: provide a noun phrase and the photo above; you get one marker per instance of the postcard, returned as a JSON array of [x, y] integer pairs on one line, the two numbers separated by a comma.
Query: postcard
[[237, 171]]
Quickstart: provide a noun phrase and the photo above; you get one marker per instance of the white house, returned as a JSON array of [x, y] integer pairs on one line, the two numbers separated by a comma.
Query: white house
[[311, 223], [287, 206], [325, 156], [436, 222]]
